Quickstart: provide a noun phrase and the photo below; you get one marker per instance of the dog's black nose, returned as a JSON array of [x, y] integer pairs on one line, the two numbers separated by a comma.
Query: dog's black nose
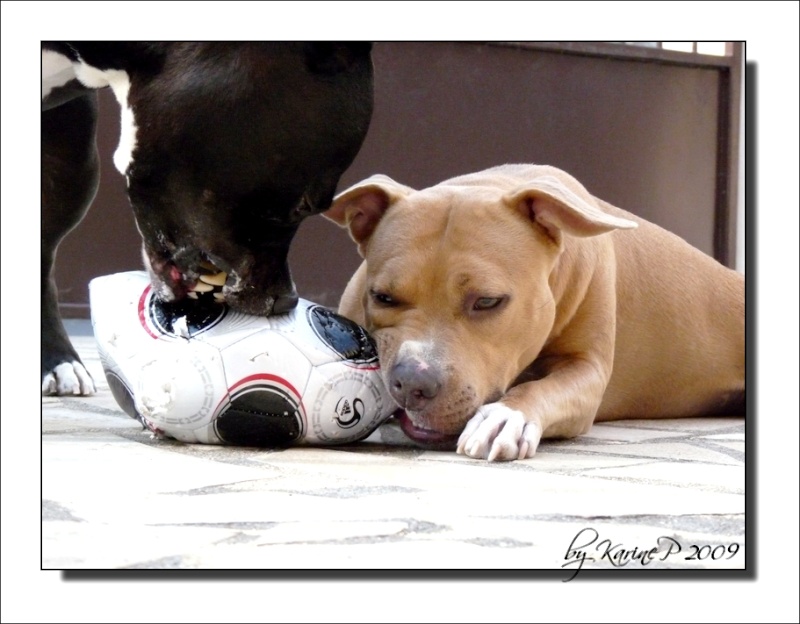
[[413, 384]]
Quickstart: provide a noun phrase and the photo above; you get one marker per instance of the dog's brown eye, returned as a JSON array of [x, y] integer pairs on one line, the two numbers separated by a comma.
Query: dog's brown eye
[[382, 298], [486, 303]]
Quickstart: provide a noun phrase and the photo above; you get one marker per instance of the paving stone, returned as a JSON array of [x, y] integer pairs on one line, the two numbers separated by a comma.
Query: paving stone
[[630, 433], [115, 497], [694, 425], [674, 451], [723, 478], [734, 446]]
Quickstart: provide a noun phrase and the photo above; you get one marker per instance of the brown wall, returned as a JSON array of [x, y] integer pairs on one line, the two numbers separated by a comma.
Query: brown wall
[[642, 135]]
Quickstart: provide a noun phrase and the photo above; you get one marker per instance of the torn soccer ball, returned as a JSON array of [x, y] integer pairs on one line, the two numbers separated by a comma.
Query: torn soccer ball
[[199, 371]]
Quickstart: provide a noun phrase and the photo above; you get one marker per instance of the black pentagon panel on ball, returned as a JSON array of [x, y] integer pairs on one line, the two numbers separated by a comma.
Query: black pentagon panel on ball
[[199, 315], [122, 394], [260, 417], [348, 339]]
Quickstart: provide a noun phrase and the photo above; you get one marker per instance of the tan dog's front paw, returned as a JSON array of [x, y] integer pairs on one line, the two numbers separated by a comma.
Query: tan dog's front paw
[[497, 432]]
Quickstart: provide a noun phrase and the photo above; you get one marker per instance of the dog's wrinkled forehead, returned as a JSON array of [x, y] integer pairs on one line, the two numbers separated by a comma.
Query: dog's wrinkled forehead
[[441, 218]]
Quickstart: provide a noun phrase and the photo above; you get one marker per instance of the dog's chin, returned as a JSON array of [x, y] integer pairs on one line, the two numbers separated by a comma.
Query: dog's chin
[[426, 438]]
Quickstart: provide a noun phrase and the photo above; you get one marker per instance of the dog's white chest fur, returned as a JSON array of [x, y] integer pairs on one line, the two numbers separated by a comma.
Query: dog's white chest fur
[[58, 70]]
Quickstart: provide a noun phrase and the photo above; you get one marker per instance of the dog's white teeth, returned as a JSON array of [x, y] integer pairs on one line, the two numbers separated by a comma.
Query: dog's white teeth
[[210, 281], [217, 279], [417, 424], [202, 287]]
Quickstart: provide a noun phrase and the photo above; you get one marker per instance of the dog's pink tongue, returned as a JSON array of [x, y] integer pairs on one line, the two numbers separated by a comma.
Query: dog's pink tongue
[[425, 437]]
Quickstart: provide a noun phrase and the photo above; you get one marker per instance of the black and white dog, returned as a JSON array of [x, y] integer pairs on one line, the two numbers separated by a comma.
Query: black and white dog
[[225, 147]]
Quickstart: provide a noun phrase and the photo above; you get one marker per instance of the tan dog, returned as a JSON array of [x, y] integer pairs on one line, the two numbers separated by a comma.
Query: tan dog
[[510, 305]]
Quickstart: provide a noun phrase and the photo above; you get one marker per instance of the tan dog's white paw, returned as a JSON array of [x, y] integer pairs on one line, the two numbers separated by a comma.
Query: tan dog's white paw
[[497, 432]]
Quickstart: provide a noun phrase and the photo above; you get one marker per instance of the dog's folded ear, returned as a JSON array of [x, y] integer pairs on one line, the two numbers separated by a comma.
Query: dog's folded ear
[[558, 208], [362, 206]]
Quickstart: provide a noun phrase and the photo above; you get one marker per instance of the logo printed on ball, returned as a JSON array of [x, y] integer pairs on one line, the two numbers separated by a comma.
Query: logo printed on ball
[[347, 416], [342, 411]]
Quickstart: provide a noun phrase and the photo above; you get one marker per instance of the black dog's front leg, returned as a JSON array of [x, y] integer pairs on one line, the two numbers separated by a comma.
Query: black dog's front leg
[[70, 176]]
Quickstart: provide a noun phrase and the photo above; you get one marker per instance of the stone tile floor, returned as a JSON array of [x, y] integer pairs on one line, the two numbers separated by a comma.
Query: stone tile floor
[[113, 497], [416, 528]]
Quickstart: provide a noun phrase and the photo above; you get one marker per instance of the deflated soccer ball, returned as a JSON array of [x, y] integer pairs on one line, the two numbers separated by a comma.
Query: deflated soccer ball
[[198, 371]]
